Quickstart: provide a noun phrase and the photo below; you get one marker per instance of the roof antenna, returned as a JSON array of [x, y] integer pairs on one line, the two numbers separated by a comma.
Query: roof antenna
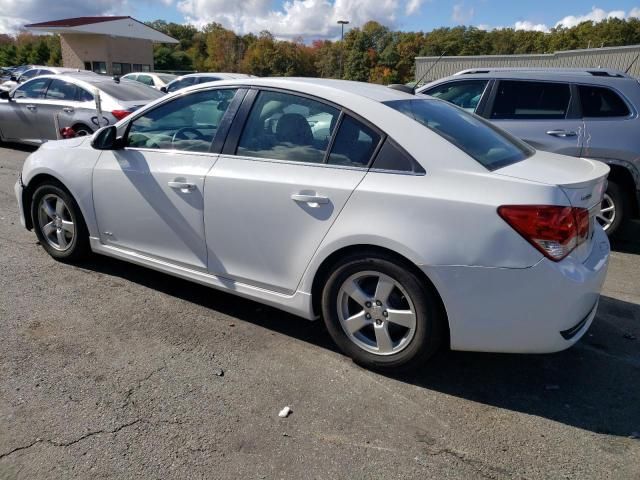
[[428, 70], [412, 90], [631, 64]]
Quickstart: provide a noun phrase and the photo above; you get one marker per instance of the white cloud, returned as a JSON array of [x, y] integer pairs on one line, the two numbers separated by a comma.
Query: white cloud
[[307, 18], [595, 15], [413, 6], [461, 14], [527, 25]]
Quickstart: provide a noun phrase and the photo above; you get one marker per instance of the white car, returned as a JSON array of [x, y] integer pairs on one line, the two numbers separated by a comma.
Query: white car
[[412, 224], [155, 80], [37, 71], [192, 79]]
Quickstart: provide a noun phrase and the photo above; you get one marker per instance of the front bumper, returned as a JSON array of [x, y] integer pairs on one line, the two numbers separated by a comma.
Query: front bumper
[[542, 309], [18, 189]]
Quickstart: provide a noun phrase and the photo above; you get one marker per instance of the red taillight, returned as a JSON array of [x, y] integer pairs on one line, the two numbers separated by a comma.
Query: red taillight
[[554, 230], [120, 114], [68, 132]]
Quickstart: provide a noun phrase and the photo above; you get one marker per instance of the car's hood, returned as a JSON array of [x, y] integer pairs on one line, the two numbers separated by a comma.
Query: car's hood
[[66, 143]]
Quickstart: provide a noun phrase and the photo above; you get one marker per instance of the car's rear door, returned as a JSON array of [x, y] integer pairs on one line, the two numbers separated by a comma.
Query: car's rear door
[[543, 114], [59, 100], [19, 119], [148, 197], [278, 187]]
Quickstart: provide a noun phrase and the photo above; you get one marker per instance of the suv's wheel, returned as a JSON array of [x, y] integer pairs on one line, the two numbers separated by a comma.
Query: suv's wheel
[[58, 223], [381, 314], [612, 209]]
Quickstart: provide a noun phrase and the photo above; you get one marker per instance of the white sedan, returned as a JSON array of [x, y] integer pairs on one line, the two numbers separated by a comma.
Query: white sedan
[[407, 224]]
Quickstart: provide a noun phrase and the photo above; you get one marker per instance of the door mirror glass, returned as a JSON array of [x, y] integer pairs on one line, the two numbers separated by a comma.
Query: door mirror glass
[[13, 78], [106, 139], [163, 89]]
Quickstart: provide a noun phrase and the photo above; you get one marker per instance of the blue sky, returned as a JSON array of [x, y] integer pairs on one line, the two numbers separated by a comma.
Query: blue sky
[[316, 18]]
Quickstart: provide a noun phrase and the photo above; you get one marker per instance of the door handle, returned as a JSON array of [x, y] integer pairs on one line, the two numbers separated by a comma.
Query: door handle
[[309, 198], [68, 110], [31, 107], [561, 133], [182, 186]]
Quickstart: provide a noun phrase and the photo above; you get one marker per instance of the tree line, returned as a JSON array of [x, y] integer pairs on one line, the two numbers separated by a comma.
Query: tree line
[[372, 53]]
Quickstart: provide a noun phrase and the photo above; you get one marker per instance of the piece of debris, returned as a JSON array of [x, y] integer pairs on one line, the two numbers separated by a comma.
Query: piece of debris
[[629, 336], [552, 387], [285, 412], [218, 372], [232, 324], [285, 434]]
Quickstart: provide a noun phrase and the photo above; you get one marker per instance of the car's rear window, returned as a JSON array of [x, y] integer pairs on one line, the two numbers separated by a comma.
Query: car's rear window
[[491, 147], [129, 90]]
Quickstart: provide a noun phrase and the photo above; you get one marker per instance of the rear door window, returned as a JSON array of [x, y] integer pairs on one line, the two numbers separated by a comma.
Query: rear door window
[[61, 90], [287, 127], [597, 102], [465, 94], [179, 84], [354, 145], [518, 100]]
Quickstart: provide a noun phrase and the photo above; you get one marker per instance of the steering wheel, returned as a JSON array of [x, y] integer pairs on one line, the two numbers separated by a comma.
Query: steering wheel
[[180, 134]]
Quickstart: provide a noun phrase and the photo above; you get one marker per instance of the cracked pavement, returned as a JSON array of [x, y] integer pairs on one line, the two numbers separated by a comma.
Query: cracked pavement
[[112, 371]]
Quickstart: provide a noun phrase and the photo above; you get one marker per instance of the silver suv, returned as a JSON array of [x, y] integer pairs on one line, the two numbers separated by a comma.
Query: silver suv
[[593, 113]]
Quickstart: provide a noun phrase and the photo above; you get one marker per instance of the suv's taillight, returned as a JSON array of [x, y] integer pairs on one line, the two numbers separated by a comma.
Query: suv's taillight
[[554, 230]]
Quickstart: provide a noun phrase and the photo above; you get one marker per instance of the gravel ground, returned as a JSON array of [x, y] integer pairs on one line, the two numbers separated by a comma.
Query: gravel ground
[[114, 371]]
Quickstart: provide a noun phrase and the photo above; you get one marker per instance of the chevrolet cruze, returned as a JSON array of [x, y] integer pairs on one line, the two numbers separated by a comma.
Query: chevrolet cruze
[[403, 221]]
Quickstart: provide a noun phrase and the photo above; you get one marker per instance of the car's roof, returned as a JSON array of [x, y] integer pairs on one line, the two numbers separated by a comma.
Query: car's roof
[[599, 76], [329, 88], [221, 75]]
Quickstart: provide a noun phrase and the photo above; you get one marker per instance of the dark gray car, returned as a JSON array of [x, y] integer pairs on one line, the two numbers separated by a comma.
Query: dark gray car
[[591, 113], [27, 112]]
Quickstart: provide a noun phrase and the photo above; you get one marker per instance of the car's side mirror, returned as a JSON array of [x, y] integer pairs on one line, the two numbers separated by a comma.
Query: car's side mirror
[[163, 89], [107, 139], [5, 95], [13, 78]]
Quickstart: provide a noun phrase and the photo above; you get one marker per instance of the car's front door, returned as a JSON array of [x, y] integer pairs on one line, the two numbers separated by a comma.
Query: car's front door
[[540, 113], [19, 116], [279, 186], [59, 100], [148, 197]]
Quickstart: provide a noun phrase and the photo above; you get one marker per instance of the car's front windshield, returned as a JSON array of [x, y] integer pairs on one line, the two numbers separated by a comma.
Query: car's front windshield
[[488, 145]]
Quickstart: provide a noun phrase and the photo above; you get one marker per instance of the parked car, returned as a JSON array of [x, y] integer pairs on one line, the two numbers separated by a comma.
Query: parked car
[[477, 240], [155, 80], [27, 112], [35, 71], [197, 78], [590, 113]]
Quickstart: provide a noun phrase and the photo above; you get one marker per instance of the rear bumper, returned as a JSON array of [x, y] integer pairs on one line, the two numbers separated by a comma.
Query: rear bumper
[[542, 309], [18, 188]]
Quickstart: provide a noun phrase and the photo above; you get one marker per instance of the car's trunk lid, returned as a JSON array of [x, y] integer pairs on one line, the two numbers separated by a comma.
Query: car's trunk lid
[[583, 181]]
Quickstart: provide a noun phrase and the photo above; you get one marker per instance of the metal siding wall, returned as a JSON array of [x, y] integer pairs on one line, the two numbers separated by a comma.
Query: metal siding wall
[[618, 58]]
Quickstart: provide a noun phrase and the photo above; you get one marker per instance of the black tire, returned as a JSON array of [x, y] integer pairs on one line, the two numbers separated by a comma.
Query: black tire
[[430, 326], [620, 201], [82, 130], [78, 247]]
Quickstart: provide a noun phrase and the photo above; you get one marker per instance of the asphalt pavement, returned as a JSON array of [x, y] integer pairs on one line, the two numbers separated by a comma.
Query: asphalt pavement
[[108, 370]]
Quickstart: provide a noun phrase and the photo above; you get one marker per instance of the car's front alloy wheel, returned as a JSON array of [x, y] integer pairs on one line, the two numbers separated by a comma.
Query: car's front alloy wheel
[[381, 313], [58, 223]]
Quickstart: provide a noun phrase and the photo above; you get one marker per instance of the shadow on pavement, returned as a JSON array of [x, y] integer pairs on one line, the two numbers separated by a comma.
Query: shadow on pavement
[[628, 240], [594, 386]]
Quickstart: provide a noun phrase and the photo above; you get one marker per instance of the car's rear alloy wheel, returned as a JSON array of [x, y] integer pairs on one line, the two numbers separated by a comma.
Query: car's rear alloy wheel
[[381, 313], [376, 313], [58, 223], [607, 214]]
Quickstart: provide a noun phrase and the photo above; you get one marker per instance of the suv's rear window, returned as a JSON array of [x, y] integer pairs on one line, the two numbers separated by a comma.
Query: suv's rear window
[[491, 147], [601, 102]]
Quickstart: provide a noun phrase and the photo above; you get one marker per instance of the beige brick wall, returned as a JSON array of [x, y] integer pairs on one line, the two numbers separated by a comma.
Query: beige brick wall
[[80, 48]]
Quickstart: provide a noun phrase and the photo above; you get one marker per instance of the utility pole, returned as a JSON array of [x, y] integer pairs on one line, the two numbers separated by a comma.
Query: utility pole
[[342, 23]]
